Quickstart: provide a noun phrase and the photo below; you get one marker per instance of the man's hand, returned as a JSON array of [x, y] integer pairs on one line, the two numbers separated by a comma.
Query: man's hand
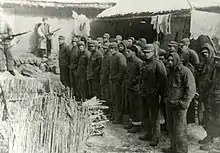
[[11, 37]]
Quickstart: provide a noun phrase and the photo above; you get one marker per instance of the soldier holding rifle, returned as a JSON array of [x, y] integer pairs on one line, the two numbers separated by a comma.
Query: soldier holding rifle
[[5, 52], [45, 40]]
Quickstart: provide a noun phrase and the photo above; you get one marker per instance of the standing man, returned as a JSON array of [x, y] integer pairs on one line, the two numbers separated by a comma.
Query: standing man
[[131, 84], [81, 71], [116, 76], [205, 74], [64, 61], [104, 77], [44, 42], [153, 79], [93, 70], [74, 59], [180, 90], [5, 51]]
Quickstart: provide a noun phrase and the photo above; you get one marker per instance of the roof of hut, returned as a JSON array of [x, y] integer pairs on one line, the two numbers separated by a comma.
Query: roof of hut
[[102, 4], [148, 7]]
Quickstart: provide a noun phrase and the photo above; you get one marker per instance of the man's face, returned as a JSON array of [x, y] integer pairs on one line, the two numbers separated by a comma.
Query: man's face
[[81, 48], [172, 48], [183, 47], [74, 43], [149, 54], [128, 53], [45, 21], [92, 48], [170, 62], [130, 42], [113, 50], [100, 42], [105, 39], [205, 53], [118, 39], [121, 47], [106, 50], [61, 41]]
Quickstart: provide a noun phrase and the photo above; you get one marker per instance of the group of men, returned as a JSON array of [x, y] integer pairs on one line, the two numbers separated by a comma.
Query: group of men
[[137, 79]]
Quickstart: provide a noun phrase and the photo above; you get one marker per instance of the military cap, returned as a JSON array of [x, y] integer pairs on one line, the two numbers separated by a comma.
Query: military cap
[[99, 39], [61, 37], [132, 38], [75, 39], [81, 43], [106, 35], [185, 41], [93, 43], [173, 44], [118, 37], [148, 48], [113, 45], [105, 46]]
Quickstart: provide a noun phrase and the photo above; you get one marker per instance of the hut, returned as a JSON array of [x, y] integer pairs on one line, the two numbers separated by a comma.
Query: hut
[[140, 18], [24, 15]]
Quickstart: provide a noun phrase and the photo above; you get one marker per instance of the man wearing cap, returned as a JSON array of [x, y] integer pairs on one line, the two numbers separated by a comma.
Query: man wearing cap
[[188, 55], [116, 76], [44, 42], [104, 77], [172, 47], [100, 44], [190, 59], [5, 51], [93, 70], [131, 83], [106, 38], [118, 39], [74, 59], [64, 61], [81, 70], [153, 79]]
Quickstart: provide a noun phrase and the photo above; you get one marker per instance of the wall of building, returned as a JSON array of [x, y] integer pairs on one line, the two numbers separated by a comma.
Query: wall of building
[[25, 18]]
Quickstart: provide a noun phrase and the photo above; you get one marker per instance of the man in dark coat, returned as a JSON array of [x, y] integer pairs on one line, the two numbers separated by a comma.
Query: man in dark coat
[[93, 70], [116, 76], [190, 59], [213, 125], [104, 78], [153, 79], [64, 61], [81, 70], [74, 59], [205, 74], [180, 90], [131, 84]]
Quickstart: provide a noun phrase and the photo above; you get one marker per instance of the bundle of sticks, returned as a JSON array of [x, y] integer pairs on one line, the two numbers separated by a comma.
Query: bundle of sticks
[[97, 116]]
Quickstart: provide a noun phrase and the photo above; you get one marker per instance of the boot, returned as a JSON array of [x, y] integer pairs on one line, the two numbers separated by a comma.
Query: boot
[[117, 119], [206, 140], [135, 129], [168, 150], [154, 143], [129, 126], [145, 138], [12, 72]]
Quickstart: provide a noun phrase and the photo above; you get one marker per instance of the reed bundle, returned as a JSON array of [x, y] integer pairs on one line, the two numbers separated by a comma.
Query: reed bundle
[[42, 122]]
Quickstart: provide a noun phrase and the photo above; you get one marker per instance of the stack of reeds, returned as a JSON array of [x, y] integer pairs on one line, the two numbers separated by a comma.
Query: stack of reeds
[[42, 122]]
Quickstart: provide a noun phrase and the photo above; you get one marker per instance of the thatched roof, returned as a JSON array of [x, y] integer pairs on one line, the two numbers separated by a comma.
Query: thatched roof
[[102, 4], [149, 7]]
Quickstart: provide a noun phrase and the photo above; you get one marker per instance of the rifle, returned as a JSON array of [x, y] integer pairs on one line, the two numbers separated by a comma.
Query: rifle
[[5, 110], [51, 33], [15, 35]]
